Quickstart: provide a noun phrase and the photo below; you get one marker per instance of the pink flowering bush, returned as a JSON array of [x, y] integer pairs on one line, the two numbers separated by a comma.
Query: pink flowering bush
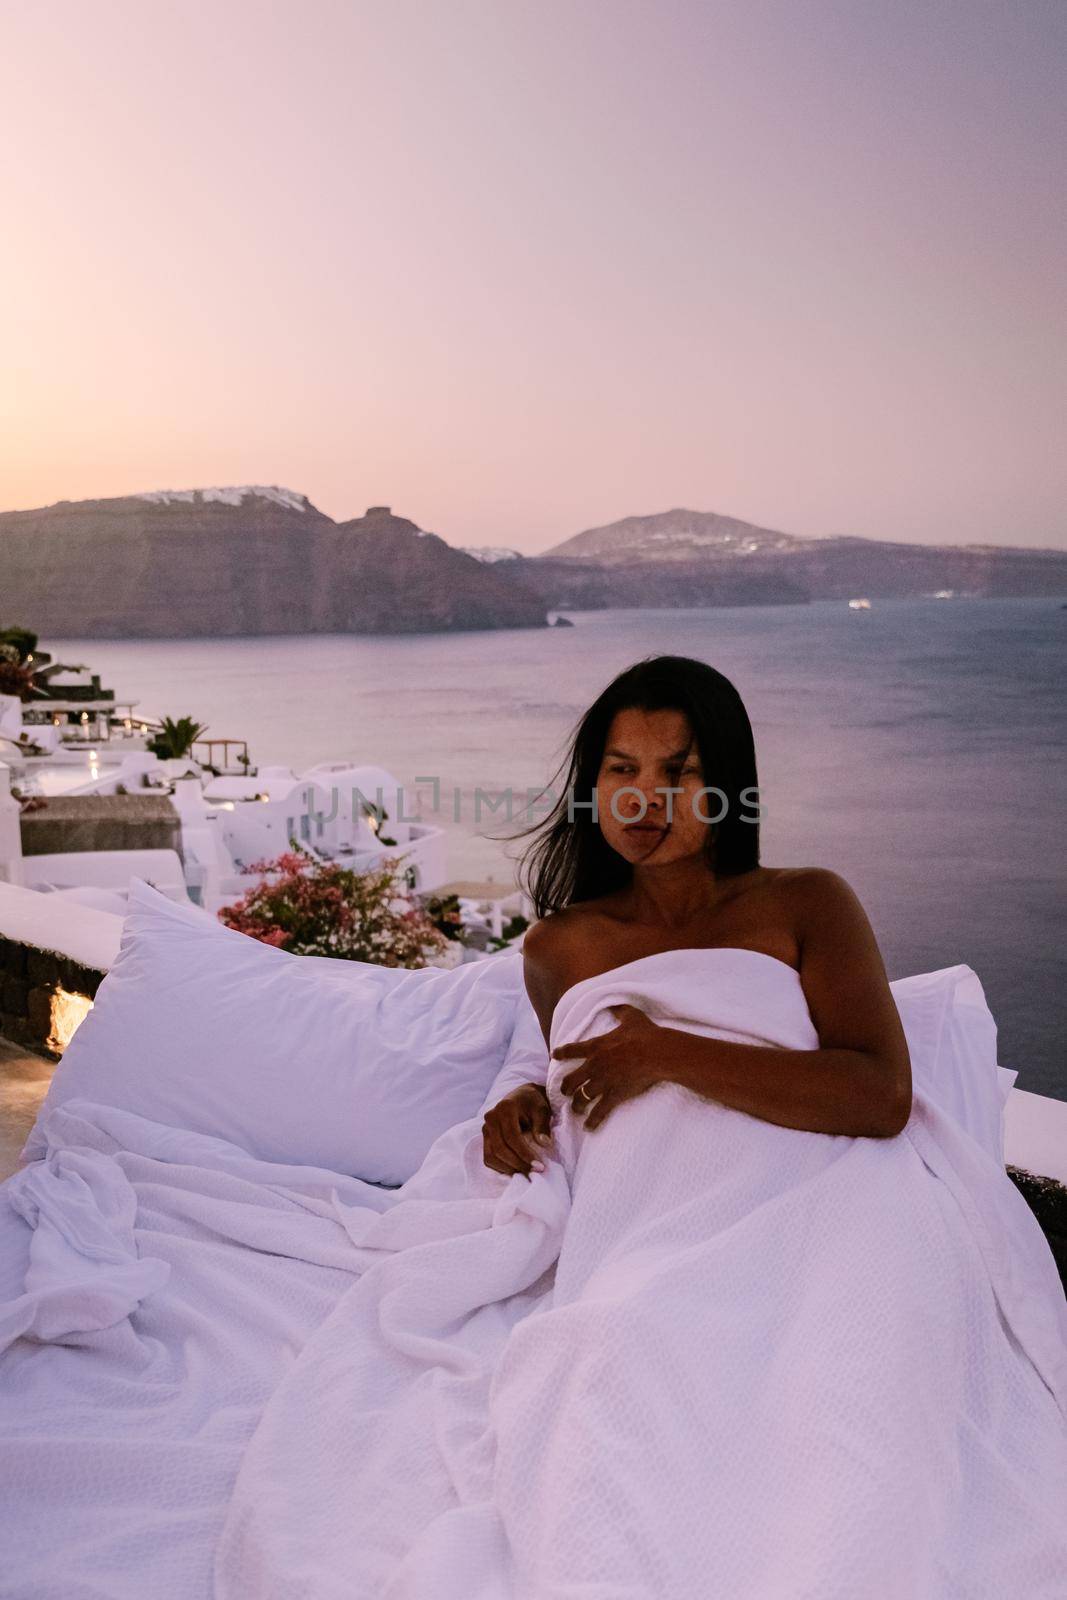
[[312, 907]]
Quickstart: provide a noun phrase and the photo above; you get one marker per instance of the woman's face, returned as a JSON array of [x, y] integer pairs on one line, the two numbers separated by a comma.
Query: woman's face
[[646, 752]]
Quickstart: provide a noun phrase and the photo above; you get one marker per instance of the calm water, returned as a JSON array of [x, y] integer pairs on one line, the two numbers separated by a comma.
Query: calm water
[[916, 748]]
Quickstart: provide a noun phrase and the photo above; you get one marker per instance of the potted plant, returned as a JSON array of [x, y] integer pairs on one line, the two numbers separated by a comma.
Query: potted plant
[[15, 676], [512, 929], [175, 737]]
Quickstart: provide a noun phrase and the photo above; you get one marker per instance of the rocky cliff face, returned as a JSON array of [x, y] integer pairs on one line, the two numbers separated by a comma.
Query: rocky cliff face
[[258, 560], [594, 586], [242, 561], [382, 574], [692, 558]]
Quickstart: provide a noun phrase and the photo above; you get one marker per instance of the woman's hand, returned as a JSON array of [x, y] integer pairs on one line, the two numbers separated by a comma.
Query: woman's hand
[[515, 1130], [616, 1066]]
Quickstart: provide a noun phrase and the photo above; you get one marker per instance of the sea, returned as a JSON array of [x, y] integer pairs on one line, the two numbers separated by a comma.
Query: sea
[[917, 748]]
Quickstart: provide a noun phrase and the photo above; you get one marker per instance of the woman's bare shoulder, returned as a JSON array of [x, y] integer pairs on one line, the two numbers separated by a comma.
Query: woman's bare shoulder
[[804, 883], [555, 940], [826, 913], [554, 950], [799, 900], [815, 887]]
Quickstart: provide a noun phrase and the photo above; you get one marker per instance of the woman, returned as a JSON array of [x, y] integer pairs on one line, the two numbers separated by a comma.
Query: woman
[[745, 1328], [671, 861]]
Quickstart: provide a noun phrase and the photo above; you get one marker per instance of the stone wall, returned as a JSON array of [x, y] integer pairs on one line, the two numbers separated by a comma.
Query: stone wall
[[30, 980], [1047, 1199], [101, 822]]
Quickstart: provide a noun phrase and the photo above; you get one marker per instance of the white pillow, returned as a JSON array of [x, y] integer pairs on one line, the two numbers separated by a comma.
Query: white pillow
[[1006, 1077], [952, 1039], [339, 1064]]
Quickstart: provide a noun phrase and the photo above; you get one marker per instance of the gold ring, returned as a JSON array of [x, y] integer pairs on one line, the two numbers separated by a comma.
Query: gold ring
[[582, 1091]]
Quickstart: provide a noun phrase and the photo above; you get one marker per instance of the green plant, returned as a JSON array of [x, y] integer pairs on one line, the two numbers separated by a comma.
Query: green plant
[[21, 640], [511, 930], [15, 676], [175, 737], [21, 673], [319, 908], [445, 914]]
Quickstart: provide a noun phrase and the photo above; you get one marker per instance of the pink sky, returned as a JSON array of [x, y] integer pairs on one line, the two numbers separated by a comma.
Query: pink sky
[[520, 267]]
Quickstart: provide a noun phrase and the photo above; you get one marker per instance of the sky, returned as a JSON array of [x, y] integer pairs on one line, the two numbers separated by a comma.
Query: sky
[[523, 267]]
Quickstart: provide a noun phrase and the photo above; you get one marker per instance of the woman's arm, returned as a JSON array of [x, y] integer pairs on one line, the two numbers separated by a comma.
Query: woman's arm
[[519, 1124], [858, 1082]]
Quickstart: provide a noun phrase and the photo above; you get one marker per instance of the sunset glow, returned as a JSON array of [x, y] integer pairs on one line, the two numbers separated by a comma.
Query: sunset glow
[[520, 269]]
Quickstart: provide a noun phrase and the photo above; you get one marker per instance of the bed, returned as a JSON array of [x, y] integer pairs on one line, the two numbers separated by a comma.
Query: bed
[[254, 1270]]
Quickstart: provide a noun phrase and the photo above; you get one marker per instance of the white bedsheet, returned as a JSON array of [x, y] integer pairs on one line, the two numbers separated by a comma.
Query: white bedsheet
[[167, 1285], [701, 1355]]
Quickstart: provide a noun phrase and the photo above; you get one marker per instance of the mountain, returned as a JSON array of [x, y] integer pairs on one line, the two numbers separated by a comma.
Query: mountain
[[693, 558], [670, 536], [258, 560], [241, 561], [382, 574]]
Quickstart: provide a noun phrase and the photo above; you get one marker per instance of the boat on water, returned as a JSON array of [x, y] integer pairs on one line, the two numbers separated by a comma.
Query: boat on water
[[859, 604]]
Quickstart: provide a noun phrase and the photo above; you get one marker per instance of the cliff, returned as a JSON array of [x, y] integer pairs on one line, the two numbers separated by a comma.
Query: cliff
[[248, 561], [242, 561], [693, 558], [381, 574], [593, 586]]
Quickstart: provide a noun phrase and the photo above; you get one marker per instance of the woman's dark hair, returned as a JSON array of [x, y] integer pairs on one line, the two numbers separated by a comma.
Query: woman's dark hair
[[571, 860]]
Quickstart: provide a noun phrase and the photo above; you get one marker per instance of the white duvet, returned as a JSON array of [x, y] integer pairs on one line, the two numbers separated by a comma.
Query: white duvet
[[701, 1357]]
